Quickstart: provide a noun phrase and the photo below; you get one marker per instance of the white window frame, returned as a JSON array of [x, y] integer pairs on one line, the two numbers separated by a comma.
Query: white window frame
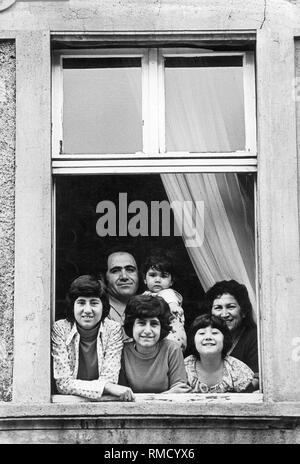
[[153, 111], [154, 159]]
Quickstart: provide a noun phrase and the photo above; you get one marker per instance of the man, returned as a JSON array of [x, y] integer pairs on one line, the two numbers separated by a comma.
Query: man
[[122, 282]]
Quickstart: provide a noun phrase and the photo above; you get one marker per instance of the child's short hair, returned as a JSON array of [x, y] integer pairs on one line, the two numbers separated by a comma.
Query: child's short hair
[[159, 260], [144, 306], [207, 320], [88, 286]]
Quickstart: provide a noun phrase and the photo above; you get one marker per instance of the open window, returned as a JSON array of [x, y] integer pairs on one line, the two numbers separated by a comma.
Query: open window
[[167, 138]]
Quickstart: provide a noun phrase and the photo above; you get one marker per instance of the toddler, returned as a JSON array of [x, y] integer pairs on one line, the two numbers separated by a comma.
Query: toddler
[[158, 274]]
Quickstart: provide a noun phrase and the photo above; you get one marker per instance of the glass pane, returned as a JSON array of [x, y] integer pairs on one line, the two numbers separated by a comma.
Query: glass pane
[[142, 212], [81, 246], [102, 109], [204, 104]]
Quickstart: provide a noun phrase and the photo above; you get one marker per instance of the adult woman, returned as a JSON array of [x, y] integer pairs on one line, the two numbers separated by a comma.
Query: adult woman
[[209, 369], [151, 363], [87, 346], [230, 301]]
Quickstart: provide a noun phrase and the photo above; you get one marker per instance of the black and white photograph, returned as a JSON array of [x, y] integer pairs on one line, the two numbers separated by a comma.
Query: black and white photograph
[[149, 225]]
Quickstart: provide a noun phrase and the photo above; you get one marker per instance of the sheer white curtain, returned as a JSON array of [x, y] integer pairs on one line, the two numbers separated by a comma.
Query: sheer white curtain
[[205, 112], [227, 250], [204, 109]]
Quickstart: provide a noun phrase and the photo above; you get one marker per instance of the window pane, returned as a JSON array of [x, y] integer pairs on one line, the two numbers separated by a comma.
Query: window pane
[[80, 248], [204, 104], [102, 109], [212, 244]]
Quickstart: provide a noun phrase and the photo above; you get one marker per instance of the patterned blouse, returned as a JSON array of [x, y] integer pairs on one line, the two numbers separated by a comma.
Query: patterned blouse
[[237, 376], [65, 352]]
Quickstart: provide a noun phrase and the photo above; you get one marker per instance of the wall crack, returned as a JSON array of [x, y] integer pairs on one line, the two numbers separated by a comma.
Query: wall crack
[[265, 13]]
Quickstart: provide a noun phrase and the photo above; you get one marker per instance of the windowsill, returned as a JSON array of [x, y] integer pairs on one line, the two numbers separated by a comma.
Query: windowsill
[[177, 398], [186, 406]]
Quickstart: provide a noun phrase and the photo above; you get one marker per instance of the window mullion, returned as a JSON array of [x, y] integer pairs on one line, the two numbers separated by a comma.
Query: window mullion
[[161, 104], [150, 103]]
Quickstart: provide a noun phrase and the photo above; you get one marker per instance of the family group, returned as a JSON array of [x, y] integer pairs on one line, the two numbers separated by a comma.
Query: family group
[[116, 340]]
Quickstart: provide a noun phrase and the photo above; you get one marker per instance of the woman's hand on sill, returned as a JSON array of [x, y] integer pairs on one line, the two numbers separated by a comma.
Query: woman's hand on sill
[[121, 392]]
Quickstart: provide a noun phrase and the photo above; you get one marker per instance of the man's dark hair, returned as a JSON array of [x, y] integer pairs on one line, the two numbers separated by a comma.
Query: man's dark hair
[[110, 251], [118, 249]]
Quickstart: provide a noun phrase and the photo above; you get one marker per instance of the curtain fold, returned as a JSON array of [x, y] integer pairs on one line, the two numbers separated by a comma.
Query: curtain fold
[[224, 246]]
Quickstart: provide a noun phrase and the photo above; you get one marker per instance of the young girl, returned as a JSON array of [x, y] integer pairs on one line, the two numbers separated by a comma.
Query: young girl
[[209, 369], [158, 274], [87, 346], [151, 363]]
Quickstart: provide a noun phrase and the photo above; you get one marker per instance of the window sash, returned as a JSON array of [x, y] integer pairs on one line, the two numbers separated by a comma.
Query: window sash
[[153, 105]]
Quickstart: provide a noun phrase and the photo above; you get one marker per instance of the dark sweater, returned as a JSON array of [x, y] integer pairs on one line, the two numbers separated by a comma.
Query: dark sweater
[[88, 359], [246, 349]]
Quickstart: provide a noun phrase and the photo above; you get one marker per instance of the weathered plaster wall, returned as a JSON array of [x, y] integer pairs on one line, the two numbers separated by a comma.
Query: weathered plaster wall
[[166, 431], [7, 199], [138, 15]]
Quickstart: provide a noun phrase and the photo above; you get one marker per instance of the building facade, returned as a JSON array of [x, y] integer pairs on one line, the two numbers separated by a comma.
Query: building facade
[[40, 42]]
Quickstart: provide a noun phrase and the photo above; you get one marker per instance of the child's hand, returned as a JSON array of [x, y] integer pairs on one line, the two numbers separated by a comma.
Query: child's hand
[[177, 311]]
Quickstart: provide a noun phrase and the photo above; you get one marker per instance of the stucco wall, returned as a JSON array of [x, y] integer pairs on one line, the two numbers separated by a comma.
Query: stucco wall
[[7, 200], [167, 431]]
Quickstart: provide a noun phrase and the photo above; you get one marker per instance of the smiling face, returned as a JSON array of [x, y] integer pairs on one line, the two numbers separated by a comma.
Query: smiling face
[[87, 311], [227, 308], [209, 341], [146, 333], [122, 276], [157, 280]]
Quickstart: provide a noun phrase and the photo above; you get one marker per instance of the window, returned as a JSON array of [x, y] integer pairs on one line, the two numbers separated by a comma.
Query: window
[[151, 131], [156, 102]]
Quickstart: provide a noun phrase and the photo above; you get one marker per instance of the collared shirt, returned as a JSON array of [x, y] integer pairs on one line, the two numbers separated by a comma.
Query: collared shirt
[[65, 352], [117, 313], [117, 310]]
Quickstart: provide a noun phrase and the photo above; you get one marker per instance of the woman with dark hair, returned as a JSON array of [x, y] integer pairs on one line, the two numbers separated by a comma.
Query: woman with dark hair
[[151, 363], [209, 369], [87, 346], [230, 301]]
